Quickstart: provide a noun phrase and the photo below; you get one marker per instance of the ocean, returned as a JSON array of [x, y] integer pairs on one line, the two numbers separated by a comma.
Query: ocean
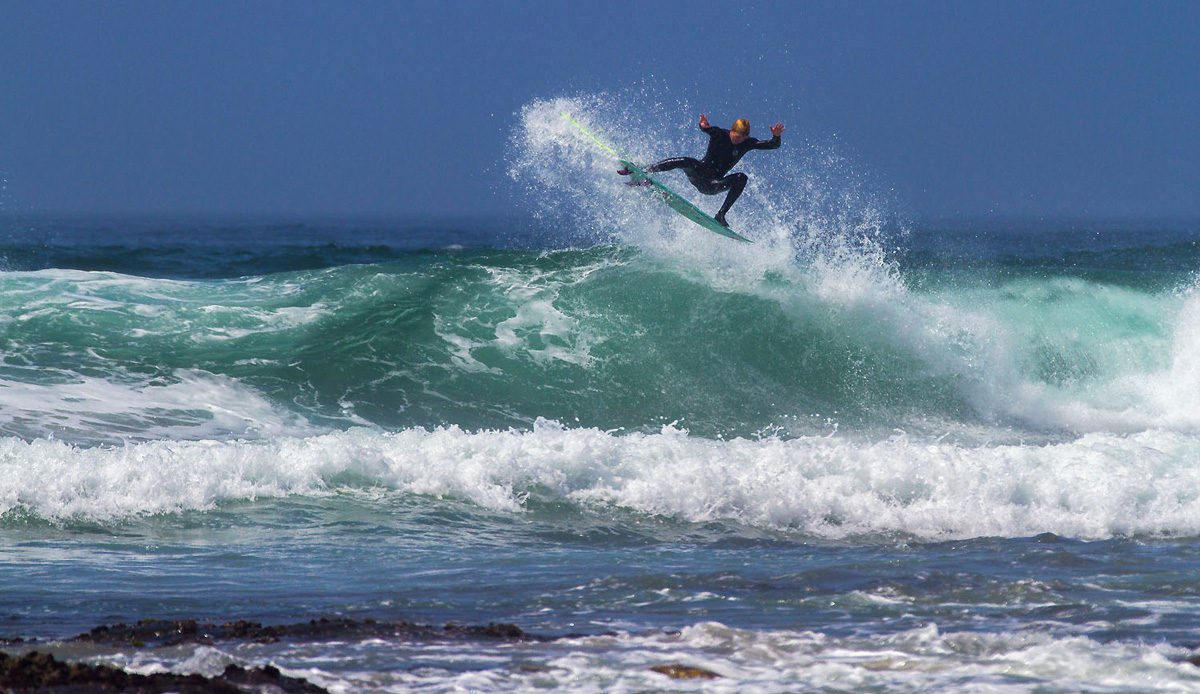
[[861, 454]]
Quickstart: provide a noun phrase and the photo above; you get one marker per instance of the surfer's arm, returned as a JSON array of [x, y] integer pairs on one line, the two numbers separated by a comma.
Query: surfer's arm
[[709, 129], [776, 139], [772, 143]]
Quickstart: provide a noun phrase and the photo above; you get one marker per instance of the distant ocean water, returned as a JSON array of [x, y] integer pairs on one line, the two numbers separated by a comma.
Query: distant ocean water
[[852, 456]]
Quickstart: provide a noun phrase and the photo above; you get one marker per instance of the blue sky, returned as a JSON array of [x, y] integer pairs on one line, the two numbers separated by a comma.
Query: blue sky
[[960, 109]]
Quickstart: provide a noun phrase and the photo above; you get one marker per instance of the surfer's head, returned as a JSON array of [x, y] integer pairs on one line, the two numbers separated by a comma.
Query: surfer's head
[[740, 130]]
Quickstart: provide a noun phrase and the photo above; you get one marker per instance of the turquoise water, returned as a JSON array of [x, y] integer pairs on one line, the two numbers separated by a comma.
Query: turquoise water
[[967, 469], [857, 455]]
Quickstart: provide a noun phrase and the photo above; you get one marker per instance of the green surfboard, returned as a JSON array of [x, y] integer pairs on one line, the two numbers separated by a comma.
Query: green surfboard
[[673, 200]]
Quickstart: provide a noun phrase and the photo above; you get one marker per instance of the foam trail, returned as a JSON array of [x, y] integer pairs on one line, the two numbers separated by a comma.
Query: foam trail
[[195, 405]]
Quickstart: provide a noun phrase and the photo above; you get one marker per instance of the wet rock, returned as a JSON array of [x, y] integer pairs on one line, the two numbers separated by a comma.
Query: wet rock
[[41, 672], [685, 672], [260, 679], [156, 632]]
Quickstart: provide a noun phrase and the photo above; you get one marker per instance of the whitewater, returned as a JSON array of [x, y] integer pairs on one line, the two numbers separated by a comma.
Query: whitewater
[[860, 453]]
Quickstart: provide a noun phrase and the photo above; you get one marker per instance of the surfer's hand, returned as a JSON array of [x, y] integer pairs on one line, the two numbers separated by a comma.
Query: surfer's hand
[[704, 122], [777, 129]]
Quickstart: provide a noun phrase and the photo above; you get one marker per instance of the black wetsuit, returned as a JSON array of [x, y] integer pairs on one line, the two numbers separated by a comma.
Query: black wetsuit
[[708, 175]]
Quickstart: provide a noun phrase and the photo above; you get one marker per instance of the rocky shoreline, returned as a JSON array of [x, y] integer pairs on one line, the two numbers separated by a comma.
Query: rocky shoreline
[[32, 670], [42, 672], [155, 632], [36, 671]]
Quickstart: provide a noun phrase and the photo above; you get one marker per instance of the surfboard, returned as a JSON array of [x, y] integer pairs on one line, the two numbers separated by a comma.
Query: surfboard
[[673, 200]]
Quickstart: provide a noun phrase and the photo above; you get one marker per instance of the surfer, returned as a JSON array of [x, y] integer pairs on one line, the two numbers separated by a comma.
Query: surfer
[[710, 175]]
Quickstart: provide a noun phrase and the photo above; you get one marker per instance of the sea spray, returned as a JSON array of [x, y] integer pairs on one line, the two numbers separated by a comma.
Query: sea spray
[[801, 202]]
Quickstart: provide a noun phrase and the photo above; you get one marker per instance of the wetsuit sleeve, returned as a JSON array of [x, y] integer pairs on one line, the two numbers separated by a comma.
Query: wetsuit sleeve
[[772, 143]]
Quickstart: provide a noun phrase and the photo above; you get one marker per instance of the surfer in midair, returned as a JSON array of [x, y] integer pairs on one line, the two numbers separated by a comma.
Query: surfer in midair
[[710, 175]]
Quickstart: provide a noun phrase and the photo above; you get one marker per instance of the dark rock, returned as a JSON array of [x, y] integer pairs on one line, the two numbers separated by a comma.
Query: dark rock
[[256, 678], [157, 632], [685, 672], [41, 672]]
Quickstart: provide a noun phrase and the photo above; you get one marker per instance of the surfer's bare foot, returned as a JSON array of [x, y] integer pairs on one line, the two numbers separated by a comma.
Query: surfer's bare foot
[[720, 217], [624, 172]]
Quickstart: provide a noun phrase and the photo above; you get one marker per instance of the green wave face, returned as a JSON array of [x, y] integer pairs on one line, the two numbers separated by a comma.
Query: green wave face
[[607, 337]]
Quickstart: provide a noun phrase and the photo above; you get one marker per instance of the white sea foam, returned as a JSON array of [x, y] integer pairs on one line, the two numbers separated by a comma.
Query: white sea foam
[[518, 313], [1093, 359], [145, 306], [193, 405], [919, 660], [923, 659], [1097, 486]]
